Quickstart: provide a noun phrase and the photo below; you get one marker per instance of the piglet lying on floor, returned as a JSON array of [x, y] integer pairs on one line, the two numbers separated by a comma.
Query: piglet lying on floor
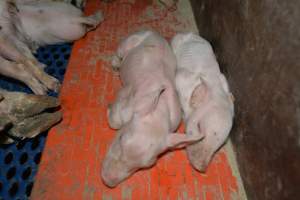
[[204, 96], [26, 115], [146, 111], [47, 22], [78, 3], [26, 26]]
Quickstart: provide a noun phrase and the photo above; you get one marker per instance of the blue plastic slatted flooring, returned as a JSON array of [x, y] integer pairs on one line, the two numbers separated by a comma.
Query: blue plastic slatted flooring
[[19, 161]]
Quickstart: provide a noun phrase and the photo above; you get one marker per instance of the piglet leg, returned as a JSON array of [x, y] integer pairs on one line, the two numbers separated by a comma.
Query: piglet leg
[[174, 107], [36, 67], [19, 72], [92, 21], [11, 49], [49, 81]]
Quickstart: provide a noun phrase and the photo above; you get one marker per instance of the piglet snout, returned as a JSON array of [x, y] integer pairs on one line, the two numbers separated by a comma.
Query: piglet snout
[[110, 179], [113, 172]]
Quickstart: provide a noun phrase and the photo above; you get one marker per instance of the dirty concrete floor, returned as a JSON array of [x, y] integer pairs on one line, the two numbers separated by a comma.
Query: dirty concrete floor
[[71, 162]]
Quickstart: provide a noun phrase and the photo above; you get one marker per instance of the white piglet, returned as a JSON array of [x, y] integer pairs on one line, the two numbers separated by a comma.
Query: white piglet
[[48, 22], [204, 96]]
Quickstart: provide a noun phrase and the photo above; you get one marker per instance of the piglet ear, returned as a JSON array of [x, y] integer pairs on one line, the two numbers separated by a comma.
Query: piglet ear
[[178, 140], [131, 42], [148, 102], [199, 94]]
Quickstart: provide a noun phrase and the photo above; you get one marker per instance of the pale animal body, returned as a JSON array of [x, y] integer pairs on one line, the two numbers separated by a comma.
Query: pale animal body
[[24, 26], [204, 96], [78, 3], [146, 111]]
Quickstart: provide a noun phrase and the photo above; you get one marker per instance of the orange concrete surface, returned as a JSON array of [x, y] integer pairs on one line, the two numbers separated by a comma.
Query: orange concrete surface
[[71, 161]]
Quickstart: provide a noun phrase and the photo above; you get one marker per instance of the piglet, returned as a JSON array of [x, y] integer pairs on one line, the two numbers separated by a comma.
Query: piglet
[[204, 96], [146, 111], [26, 25], [48, 22], [78, 3]]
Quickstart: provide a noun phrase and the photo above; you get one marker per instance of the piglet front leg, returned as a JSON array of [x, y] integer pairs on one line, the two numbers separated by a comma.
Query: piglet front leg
[[92, 21], [174, 107]]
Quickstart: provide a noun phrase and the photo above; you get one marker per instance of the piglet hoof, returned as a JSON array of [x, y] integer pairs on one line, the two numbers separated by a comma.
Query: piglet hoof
[[116, 62], [56, 87], [52, 84], [93, 21], [98, 17]]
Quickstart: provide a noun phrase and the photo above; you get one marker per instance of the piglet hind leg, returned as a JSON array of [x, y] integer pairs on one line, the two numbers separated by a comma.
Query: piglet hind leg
[[92, 21]]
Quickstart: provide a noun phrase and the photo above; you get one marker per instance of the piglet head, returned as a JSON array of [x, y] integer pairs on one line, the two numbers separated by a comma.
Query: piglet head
[[132, 150], [139, 142]]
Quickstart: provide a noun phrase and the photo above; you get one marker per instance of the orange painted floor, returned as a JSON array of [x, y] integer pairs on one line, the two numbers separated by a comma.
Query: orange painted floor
[[71, 162]]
